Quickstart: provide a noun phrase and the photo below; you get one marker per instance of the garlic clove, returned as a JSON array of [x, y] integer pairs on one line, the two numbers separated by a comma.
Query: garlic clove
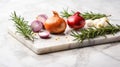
[[95, 22], [106, 24], [105, 21], [88, 23], [99, 25], [102, 23]]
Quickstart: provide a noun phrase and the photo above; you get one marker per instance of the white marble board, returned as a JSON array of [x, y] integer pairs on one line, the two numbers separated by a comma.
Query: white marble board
[[60, 42]]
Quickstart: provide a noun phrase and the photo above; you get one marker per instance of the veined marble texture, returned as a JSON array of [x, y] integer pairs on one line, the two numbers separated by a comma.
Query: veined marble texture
[[15, 54], [61, 42]]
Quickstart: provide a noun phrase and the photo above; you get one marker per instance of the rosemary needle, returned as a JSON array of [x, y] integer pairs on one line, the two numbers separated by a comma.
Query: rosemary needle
[[91, 15], [65, 13], [22, 26], [93, 32], [85, 15]]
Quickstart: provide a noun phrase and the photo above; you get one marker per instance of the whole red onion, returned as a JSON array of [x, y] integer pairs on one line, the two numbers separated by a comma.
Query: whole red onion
[[76, 21]]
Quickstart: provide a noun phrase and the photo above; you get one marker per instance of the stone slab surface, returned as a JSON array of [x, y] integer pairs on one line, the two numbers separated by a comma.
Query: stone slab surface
[[60, 42]]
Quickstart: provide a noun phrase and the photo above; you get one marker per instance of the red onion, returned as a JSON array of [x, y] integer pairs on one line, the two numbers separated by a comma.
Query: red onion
[[36, 26], [44, 35], [42, 18], [76, 21]]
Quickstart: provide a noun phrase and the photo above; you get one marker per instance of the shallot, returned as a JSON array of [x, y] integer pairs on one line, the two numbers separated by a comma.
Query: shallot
[[36, 26], [42, 18]]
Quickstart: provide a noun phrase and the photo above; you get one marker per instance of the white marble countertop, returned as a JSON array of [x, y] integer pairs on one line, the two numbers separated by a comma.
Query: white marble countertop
[[15, 54]]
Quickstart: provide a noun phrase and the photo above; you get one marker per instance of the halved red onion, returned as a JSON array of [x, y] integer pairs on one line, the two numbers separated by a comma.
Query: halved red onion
[[36, 26], [44, 35]]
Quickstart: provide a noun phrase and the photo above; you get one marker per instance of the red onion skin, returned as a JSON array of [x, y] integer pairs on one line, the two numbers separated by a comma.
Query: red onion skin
[[42, 18], [36, 26], [76, 21]]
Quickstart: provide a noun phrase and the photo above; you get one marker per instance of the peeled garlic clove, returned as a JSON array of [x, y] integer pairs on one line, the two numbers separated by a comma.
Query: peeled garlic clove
[[105, 21], [99, 25], [106, 24], [95, 22], [89, 23], [102, 24]]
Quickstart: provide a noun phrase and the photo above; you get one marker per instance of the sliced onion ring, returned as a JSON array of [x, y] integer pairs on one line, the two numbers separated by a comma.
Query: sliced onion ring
[[44, 35]]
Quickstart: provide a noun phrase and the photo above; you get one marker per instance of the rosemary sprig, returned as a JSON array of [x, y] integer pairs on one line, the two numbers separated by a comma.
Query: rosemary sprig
[[66, 14], [85, 15], [93, 32], [91, 15], [22, 26]]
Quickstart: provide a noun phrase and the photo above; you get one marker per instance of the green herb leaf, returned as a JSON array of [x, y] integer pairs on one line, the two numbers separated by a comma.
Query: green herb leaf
[[85, 15], [22, 26], [65, 13], [93, 32], [91, 15]]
